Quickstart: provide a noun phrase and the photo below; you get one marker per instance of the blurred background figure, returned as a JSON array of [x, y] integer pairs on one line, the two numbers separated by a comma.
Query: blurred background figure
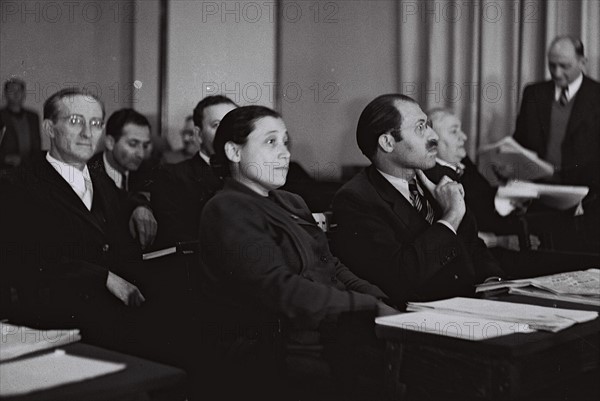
[[191, 144], [19, 127]]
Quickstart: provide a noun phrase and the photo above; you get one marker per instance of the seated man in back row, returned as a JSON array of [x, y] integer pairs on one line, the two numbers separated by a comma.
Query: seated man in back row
[[127, 142], [181, 190], [396, 229]]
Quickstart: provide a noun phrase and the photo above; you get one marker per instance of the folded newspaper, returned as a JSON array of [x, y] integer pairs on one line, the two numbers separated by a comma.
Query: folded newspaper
[[515, 161], [581, 286]]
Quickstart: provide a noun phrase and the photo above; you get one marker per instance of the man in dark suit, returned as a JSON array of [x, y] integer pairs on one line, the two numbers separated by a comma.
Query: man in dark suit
[[127, 142], [452, 161], [21, 139], [560, 119], [181, 190], [63, 238], [396, 229]]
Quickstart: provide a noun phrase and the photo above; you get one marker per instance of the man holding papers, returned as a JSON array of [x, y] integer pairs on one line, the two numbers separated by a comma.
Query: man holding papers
[[560, 119], [413, 239]]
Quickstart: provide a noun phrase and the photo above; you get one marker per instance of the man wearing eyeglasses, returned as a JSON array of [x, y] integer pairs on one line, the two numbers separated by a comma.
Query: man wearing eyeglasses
[[396, 229], [64, 238]]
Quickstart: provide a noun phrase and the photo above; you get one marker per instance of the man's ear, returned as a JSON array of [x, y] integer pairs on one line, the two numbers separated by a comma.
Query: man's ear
[[197, 136], [232, 151], [386, 142], [109, 142], [48, 127]]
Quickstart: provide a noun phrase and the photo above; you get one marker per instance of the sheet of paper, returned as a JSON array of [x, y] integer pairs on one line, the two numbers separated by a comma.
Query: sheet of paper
[[50, 370], [465, 327], [20, 340], [537, 317]]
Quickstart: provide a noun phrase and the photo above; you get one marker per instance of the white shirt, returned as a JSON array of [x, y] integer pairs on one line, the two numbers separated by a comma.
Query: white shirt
[[401, 186], [572, 89], [113, 173], [205, 158], [79, 180], [453, 166]]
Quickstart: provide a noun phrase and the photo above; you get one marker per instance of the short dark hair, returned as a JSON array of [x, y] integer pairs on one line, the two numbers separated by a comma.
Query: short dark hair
[[235, 127], [52, 107], [380, 116], [207, 102], [14, 81], [576, 42], [120, 118]]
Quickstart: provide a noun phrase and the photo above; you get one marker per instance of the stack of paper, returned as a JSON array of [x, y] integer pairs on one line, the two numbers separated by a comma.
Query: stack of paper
[[20, 340], [50, 370], [536, 317], [579, 287]]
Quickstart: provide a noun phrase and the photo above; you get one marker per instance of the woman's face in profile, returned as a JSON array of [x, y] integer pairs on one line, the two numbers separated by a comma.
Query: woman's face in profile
[[265, 158]]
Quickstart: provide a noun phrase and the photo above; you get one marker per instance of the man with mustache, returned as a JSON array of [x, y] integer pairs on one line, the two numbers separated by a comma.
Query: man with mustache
[[126, 143], [396, 229]]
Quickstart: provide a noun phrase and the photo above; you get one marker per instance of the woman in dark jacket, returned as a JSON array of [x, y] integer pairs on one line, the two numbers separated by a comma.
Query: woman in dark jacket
[[271, 281]]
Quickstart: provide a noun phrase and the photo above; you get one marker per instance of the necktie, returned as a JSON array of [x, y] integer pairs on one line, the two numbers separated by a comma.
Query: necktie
[[563, 100], [87, 194], [420, 202], [124, 183]]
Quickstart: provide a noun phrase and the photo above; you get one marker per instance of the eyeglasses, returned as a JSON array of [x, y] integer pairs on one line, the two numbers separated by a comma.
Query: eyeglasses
[[420, 127], [77, 121]]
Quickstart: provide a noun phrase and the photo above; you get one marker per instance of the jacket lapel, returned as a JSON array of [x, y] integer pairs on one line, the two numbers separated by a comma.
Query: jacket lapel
[[53, 185], [402, 208], [545, 101]]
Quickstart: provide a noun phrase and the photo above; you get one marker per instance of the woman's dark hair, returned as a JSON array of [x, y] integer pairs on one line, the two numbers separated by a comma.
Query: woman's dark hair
[[235, 127]]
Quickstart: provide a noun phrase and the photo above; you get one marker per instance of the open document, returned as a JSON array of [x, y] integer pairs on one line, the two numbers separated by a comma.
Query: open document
[[515, 161], [559, 197], [580, 287], [20, 340], [536, 317]]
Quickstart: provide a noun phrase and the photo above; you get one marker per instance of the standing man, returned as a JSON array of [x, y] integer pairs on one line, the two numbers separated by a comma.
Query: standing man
[[21, 139], [560, 119], [63, 240], [396, 229], [126, 143], [182, 189]]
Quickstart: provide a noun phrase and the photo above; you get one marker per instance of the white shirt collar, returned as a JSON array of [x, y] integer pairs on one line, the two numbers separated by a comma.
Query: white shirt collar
[[205, 158], [72, 175], [113, 173], [400, 184], [453, 166], [572, 90]]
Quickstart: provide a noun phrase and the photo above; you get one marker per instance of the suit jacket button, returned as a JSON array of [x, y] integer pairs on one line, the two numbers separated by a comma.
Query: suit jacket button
[[105, 248], [456, 277], [324, 259]]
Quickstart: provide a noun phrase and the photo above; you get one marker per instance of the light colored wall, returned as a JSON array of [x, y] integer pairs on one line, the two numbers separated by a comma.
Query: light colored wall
[[340, 55], [52, 45], [218, 47]]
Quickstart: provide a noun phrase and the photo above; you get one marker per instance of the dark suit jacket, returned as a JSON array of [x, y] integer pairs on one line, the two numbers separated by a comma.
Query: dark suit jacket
[[178, 195], [268, 257], [581, 146], [57, 253], [10, 143], [383, 239], [479, 197], [138, 184]]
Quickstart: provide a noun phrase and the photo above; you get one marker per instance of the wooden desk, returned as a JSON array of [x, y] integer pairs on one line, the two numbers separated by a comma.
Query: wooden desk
[[563, 365], [141, 379]]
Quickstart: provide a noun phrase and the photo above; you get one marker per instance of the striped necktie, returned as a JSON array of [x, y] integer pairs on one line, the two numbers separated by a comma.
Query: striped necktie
[[563, 100], [420, 202]]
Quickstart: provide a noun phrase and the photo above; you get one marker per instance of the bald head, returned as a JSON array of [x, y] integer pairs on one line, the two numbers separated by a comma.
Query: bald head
[[566, 60]]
